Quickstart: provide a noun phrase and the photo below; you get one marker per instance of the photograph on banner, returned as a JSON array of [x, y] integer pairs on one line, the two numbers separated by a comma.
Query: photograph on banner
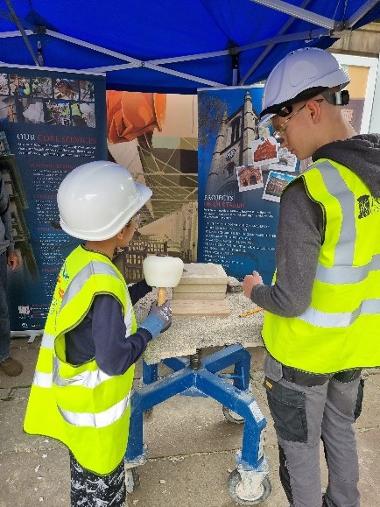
[[275, 185], [42, 87], [155, 136], [239, 190], [286, 161], [47, 128], [265, 150], [249, 178]]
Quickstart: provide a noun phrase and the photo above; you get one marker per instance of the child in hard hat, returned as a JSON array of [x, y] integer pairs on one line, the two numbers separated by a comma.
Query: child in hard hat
[[82, 385]]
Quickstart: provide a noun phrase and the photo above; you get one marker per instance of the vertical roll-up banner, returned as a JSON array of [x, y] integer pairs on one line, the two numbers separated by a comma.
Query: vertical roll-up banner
[[50, 122], [242, 172]]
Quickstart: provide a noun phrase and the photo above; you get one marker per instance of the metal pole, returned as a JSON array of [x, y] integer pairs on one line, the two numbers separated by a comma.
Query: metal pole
[[22, 31], [195, 360], [298, 12], [361, 12], [269, 48]]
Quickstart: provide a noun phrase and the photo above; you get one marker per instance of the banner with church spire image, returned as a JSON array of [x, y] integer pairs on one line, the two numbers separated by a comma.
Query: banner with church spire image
[[242, 172]]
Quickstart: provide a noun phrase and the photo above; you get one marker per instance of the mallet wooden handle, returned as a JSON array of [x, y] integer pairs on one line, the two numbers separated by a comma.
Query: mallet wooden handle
[[251, 312], [161, 296]]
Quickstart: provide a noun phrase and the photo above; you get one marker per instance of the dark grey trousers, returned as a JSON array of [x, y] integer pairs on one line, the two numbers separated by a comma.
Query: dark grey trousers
[[4, 315], [305, 414]]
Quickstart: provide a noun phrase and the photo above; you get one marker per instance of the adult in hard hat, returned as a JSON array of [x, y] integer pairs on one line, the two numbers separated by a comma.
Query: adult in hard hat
[[322, 318], [82, 386]]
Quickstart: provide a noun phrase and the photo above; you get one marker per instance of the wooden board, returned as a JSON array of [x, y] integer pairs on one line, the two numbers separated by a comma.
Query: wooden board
[[201, 307], [204, 274], [209, 296], [194, 287]]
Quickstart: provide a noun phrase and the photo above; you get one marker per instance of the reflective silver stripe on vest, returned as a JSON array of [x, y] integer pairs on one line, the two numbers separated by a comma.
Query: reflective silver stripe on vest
[[42, 379], [98, 419], [347, 274], [335, 184], [47, 341], [90, 379], [343, 319], [128, 318], [76, 284]]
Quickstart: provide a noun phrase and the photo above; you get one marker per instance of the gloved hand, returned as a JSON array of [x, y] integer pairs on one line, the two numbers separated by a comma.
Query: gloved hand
[[158, 320]]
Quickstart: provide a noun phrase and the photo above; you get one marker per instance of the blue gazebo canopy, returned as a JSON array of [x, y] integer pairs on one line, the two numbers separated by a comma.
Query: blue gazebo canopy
[[173, 47]]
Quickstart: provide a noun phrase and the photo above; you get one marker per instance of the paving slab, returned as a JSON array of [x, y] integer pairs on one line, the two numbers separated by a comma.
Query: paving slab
[[370, 416], [369, 461], [26, 353], [185, 425], [199, 480], [31, 479], [12, 436]]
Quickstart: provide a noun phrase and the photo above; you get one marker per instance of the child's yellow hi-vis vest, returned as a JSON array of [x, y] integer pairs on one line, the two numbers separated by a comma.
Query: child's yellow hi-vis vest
[[82, 406]]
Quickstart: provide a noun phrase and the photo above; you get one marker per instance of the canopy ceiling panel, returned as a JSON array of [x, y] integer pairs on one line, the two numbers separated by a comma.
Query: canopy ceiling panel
[[173, 47]]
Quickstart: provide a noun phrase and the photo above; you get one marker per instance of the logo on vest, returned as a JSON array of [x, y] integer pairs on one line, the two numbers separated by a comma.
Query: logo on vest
[[368, 205]]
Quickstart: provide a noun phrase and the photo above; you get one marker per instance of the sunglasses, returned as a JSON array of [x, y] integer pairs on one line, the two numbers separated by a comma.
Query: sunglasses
[[278, 134]]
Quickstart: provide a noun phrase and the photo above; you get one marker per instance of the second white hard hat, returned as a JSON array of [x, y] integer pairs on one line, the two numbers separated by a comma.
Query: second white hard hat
[[299, 71], [96, 200]]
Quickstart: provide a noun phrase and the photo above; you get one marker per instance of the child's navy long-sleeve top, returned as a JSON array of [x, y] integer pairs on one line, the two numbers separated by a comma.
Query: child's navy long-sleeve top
[[101, 335]]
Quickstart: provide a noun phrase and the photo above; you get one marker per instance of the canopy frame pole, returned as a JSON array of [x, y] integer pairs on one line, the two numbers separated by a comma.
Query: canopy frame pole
[[94, 47], [360, 13], [310, 34], [300, 13], [24, 35], [133, 62], [314, 34], [14, 33], [269, 47]]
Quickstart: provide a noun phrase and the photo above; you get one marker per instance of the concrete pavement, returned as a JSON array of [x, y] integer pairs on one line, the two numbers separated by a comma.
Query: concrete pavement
[[191, 449]]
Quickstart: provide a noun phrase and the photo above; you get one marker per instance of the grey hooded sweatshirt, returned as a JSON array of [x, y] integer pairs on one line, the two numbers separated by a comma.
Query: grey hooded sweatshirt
[[301, 227]]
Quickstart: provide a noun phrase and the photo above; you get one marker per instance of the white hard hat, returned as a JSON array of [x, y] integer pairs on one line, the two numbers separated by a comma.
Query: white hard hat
[[96, 200], [299, 71]]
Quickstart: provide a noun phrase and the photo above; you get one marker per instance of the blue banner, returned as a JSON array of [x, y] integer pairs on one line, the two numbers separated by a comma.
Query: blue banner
[[242, 172], [53, 121]]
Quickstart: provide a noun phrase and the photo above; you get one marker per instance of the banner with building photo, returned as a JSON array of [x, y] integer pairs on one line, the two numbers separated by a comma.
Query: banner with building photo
[[50, 122], [242, 173], [155, 137]]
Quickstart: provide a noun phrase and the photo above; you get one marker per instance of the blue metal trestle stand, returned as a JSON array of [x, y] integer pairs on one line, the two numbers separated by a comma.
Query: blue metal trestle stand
[[248, 483]]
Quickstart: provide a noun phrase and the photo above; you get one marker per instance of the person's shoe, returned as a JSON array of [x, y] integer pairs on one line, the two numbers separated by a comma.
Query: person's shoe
[[11, 367]]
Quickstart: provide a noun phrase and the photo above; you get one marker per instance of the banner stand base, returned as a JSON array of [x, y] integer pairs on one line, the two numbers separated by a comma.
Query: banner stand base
[[31, 334]]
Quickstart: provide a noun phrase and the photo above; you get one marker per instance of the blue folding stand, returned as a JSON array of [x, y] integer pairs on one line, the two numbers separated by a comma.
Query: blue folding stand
[[195, 377]]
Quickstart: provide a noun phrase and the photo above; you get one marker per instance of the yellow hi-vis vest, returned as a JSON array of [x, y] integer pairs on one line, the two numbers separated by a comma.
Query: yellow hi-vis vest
[[341, 327], [82, 406]]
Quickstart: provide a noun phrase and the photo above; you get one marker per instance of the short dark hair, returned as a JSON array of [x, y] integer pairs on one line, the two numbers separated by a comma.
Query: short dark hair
[[285, 108]]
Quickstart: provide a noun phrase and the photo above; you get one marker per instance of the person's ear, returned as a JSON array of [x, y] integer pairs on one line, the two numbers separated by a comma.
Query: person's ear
[[313, 108], [120, 234]]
